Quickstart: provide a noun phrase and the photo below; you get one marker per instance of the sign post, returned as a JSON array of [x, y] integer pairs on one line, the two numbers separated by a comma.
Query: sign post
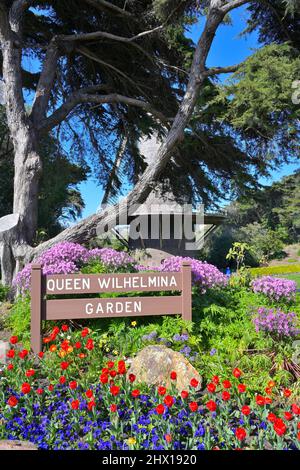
[[82, 308], [36, 308]]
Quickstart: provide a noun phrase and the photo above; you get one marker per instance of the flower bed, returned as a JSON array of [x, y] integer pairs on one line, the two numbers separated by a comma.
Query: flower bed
[[58, 402]]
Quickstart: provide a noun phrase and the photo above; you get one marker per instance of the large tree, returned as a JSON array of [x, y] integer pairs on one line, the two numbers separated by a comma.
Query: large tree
[[102, 61]]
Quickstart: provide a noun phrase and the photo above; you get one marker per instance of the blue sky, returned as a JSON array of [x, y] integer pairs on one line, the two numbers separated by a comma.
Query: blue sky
[[228, 49]]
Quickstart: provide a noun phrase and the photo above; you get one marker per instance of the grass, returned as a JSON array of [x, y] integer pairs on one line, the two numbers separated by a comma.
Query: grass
[[293, 277]]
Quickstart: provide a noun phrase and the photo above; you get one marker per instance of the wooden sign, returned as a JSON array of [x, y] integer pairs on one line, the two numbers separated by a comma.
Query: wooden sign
[[68, 284]]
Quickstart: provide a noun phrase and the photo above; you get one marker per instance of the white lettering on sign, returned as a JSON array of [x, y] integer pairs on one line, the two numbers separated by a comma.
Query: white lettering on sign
[[79, 283], [136, 282], [128, 306], [105, 283]]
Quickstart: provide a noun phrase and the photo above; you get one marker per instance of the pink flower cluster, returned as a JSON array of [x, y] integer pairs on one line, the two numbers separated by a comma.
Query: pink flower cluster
[[275, 288], [204, 275]]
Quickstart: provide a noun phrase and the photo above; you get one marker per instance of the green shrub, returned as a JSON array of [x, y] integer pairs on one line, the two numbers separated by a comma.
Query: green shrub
[[18, 319], [4, 290], [270, 270]]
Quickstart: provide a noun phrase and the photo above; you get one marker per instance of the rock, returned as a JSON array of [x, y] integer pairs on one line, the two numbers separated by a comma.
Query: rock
[[154, 364], [4, 346], [17, 445]]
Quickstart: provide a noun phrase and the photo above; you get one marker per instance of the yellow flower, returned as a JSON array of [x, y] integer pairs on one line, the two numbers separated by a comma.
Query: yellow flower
[[62, 353], [115, 352], [131, 441], [107, 349], [133, 323]]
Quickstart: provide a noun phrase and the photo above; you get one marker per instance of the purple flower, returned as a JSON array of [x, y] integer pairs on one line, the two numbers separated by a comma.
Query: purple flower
[[67, 258], [276, 322], [204, 275], [109, 257], [275, 288]]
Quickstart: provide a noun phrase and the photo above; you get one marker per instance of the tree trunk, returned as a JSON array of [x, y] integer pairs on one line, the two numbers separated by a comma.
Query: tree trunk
[[17, 240], [27, 162], [26, 179]]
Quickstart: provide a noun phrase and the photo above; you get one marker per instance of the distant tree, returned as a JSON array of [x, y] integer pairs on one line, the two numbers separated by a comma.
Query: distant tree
[[266, 219]]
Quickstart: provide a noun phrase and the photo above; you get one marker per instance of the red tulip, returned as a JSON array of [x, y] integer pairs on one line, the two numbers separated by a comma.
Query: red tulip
[[162, 391], [226, 396], [237, 373], [279, 427], [114, 390], [13, 340], [25, 388], [169, 401], [12, 401], [160, 409], [246, 410], [194, 383], [211, 387], [193, 406], [240, 434], [211, 405], [73, 385], [75, 404], [226, 384]]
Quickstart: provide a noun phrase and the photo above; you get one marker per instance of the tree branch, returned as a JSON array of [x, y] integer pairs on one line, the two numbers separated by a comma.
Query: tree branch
[[218, 70], [233, 4], [45, 84], [83, 97], [105, 35], [104, 5], [4, 24], [16, 13], [87, 53]]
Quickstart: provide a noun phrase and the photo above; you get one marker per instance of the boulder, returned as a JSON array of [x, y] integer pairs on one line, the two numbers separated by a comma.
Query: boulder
[[153, 365], [4, 347], [17, 445]]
